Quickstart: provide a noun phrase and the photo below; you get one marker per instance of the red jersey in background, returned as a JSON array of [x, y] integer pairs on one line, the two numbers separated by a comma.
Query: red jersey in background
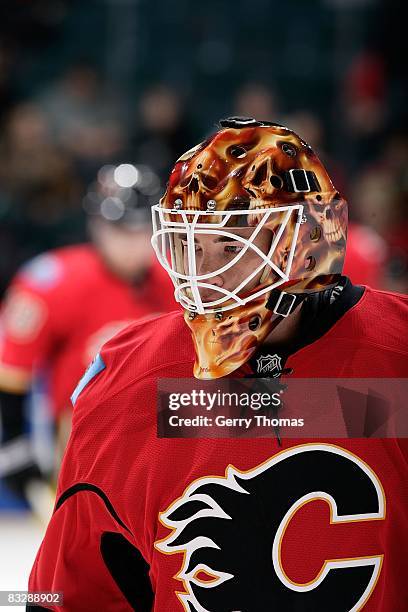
[[63, 305]]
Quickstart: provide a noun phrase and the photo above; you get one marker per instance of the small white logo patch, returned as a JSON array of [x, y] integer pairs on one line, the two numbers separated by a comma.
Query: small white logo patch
[[270, 364]]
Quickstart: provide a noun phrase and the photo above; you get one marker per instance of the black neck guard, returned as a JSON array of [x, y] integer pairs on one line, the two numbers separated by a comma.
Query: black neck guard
[[320, 311]]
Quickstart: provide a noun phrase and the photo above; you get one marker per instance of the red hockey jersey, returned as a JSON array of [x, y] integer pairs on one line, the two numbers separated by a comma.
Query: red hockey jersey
[[228, 524], [64, 305]]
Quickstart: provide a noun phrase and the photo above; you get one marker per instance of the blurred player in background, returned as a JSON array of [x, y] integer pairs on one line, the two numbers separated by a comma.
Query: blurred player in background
[[64, 304]]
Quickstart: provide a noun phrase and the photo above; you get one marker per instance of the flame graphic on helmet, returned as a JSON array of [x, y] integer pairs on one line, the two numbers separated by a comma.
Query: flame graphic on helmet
[[265, 173]]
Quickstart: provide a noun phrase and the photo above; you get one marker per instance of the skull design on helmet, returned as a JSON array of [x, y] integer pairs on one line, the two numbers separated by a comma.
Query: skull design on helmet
[[249, 211], [331, 215]]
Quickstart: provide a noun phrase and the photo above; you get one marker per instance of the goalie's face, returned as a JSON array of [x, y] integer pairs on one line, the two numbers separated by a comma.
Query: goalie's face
[[213, 253], [222, 260]]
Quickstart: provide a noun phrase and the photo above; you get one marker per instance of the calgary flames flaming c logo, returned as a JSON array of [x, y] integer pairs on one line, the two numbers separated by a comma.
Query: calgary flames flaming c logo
[[231, 532]]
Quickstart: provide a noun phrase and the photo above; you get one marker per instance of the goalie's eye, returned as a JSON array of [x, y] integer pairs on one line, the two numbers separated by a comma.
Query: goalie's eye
[[233, 248]]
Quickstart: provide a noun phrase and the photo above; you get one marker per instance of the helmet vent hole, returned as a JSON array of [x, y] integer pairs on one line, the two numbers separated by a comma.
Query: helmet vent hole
[[237, 151], [260, 175], [194, 185], [254, 322], [289, 149], [310, 263], [276, 181], [319, 198]]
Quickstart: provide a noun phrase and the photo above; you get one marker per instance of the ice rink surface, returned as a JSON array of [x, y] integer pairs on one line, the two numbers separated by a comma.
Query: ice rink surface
[[20, 538]]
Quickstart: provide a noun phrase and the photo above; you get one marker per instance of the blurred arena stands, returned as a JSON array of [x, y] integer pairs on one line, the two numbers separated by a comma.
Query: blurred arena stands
[[85, 83]]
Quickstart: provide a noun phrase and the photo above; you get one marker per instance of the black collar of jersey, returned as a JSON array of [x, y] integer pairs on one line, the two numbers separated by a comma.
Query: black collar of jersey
[[320, 311]]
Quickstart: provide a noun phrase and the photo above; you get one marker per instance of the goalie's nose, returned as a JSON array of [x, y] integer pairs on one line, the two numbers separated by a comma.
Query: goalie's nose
[[208, 294]]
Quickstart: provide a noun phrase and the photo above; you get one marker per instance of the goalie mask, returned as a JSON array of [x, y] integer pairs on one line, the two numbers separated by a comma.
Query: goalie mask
[[249, 225]]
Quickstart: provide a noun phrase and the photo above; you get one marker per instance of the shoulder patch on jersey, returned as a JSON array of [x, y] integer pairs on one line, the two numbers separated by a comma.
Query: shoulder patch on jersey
[[42, 272], [24, 315], [95, 368]]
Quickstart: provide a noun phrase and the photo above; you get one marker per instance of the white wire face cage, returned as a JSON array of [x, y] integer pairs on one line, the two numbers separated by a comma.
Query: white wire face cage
[[183, 238]]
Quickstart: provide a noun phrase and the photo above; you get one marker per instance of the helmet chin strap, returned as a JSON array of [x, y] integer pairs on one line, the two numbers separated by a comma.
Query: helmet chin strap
[[282, 303]]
